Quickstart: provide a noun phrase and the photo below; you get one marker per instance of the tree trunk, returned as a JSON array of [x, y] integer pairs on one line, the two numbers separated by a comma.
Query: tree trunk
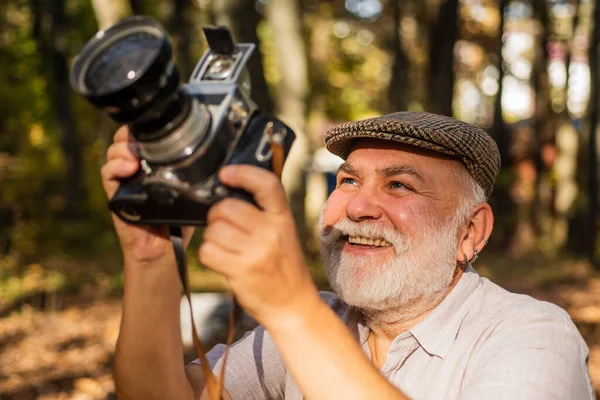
[[181, 28], [398, 100], [137, 6], [53, 47], [565, 168], [542, 113], [499, 131], [525, 145], [242, 19], [593, 145], [291, 94], [109, 12], [443, 36]]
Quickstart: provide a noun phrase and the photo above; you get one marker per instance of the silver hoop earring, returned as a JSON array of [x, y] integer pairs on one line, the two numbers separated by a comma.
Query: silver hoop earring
[[485, 241]]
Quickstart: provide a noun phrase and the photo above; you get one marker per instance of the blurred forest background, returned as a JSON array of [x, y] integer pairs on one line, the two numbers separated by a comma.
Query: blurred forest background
[[525, 70]]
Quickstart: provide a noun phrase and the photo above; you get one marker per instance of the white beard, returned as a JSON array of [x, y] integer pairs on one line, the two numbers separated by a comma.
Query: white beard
[[402, 286]]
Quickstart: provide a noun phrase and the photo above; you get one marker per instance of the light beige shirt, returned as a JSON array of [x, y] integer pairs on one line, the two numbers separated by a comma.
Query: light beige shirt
[[481, 342]]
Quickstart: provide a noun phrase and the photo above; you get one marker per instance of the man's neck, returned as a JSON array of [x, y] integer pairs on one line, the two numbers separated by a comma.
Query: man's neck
[[394, 323], [381, 336], [385, 326]]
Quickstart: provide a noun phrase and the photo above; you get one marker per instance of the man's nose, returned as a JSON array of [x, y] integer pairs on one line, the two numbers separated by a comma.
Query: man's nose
[[364, 205]]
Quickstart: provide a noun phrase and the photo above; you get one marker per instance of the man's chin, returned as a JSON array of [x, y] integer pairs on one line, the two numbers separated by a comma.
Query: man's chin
[[356, 288], [366, 303]]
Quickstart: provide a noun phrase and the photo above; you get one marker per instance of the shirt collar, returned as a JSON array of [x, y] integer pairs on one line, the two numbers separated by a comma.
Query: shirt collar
[[438, 330]]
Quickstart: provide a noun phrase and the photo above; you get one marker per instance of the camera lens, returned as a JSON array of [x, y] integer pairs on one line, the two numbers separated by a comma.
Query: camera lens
[[127, 69], [118, 65]]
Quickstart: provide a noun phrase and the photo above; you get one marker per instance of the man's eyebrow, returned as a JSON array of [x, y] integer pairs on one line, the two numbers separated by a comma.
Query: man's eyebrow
[[386, 172], [347, 168], [400, 170]]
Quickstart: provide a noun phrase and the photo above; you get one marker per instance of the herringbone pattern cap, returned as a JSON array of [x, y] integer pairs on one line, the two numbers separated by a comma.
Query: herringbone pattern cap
[[470, 144]]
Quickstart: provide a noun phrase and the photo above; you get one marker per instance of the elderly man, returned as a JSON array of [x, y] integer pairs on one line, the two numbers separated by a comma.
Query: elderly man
[[410, 317]]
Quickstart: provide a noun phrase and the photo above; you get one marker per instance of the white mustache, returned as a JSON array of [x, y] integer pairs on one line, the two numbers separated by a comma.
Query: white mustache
[[331, 235]]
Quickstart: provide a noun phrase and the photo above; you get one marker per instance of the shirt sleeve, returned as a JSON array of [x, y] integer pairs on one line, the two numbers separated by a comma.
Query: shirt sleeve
[[254, 368], [537, 358]]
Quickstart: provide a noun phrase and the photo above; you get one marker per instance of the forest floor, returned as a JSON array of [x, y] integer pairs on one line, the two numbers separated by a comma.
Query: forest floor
[[62, 347]]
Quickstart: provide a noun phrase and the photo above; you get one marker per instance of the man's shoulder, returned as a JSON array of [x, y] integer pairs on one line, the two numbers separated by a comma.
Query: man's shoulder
[[494, 300], [526, 347], [508, 314]]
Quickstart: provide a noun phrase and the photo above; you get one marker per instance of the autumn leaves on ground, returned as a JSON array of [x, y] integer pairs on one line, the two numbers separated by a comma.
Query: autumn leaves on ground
[[66, 351]]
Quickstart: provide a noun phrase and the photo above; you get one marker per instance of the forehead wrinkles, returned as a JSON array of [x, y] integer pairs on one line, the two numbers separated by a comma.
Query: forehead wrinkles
[[376, 150], [388, 162]]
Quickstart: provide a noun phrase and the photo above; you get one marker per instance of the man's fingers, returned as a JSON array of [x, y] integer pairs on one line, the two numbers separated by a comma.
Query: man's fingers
[[214, 256], [119, 169], [123, 135], [225, 235], [115, 170], [123, 150], [238, 212], [262, 184]]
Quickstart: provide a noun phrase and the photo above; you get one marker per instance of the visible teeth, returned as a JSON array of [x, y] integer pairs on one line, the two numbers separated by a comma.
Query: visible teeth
[[369, 242]]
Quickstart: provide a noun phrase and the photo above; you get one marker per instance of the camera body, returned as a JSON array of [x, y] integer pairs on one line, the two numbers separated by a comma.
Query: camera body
[[185, 134]]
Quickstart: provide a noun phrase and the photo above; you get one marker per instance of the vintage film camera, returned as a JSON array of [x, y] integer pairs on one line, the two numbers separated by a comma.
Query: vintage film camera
[[185, 133]]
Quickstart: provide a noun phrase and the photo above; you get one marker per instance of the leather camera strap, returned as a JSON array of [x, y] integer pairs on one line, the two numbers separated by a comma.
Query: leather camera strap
[[215, 385]]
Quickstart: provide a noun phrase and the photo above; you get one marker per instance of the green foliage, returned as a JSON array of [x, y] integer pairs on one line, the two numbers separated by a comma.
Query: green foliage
[[33, 177], [21, 87]]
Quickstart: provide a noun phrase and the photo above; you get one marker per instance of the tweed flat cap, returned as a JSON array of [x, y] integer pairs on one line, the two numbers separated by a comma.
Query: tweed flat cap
[[469, 144]]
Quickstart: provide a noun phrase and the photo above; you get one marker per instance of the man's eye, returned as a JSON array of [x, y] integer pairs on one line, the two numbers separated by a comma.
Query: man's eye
[[347, 181], [397, 185]]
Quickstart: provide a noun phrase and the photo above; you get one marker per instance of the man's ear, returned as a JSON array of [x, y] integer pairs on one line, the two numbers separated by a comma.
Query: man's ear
[[476, 233]]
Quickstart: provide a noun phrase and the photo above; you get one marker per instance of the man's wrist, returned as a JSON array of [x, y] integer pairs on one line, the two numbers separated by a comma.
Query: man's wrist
[[137, 262], [296, 317], [157, 274]]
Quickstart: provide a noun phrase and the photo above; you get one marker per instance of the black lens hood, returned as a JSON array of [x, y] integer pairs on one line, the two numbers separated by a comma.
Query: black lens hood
[[133, 95]]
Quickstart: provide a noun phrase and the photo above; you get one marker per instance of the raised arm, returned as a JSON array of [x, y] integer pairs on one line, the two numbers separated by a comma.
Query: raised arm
[[258, 252], [149, 355]]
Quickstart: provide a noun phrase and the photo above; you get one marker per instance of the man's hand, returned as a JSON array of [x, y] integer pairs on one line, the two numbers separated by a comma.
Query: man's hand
[[139, 243], [257, 250]]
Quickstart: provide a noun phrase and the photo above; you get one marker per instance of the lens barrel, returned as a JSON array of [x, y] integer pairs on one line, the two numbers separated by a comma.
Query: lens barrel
[[127, 69]]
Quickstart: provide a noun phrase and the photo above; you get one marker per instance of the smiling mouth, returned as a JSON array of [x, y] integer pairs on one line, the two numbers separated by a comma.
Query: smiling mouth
[[357, 240]]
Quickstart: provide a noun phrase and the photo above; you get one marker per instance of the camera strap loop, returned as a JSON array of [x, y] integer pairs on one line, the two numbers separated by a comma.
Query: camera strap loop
[[276, 139], [214, 385]]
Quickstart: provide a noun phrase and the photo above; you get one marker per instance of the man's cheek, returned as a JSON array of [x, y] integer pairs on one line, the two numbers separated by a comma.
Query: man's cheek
[[408, 220], [333, 210]]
